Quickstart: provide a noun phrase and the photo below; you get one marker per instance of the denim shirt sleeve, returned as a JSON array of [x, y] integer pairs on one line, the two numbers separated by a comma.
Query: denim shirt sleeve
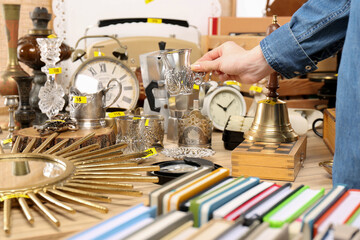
[[316, 31]]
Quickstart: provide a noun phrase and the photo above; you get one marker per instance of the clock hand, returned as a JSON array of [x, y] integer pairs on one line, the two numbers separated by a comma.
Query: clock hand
[[221, 107], [225, 108]]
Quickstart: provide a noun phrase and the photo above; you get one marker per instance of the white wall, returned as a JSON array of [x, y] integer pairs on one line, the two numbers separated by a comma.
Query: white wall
[[251, 8]]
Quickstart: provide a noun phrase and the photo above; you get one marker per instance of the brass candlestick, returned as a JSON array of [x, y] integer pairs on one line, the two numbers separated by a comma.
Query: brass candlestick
[[12, 102], [271, 122]]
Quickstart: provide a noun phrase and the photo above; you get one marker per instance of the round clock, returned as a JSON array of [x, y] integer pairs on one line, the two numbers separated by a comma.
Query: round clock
[[222, 103], [95, 73]]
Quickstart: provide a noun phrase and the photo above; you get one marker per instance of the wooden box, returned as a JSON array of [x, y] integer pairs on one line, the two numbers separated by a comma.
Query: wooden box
[[227, 25], [329, 129], [275, 161]]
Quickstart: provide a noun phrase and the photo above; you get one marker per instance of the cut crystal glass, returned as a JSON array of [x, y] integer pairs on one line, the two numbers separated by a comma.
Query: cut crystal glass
[[51, 95]]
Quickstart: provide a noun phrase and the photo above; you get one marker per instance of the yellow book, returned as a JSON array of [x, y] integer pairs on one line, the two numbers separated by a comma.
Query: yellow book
[[172, 200]]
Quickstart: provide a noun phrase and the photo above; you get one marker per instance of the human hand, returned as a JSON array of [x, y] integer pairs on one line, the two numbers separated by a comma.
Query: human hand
[[232, 62]]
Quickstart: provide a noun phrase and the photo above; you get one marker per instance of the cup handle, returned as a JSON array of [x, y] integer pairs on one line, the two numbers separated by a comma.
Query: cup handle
[[119, 93], [198, 77], [314, 127]]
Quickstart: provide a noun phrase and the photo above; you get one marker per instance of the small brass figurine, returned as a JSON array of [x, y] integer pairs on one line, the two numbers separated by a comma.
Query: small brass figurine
[[59, 123]]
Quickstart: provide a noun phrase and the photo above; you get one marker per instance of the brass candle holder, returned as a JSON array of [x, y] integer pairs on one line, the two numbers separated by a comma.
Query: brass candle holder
[[12, 102]]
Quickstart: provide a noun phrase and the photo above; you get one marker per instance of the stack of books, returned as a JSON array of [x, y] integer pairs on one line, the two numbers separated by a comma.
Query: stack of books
[[209, 204]]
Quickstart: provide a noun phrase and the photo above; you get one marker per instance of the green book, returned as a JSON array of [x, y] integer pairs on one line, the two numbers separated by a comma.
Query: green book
[[293, 207], [354, 217], [196, 202]]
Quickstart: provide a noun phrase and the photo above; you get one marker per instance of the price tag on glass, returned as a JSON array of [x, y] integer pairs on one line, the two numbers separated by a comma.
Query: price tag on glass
[[6, 141], [79, 99], [55, 70], [146, 122], [116, 114], [150, 152], [196, 87], [52, 36]]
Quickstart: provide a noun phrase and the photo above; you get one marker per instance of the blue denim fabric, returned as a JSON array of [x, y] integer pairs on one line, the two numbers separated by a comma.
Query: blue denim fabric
[[346, 169], [316, 31]]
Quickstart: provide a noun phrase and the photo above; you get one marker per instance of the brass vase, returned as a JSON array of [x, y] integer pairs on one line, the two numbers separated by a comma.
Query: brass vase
[[8, 86]]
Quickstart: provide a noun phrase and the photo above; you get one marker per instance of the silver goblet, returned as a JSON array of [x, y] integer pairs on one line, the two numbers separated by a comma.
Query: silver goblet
[[12, 102]]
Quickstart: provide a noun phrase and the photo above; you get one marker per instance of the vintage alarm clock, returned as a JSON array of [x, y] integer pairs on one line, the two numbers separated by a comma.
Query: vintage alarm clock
[[95, 73], [224, 101]]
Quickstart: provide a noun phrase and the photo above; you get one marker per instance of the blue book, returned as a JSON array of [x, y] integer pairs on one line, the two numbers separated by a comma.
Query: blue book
[[208, 207], [117, 223]]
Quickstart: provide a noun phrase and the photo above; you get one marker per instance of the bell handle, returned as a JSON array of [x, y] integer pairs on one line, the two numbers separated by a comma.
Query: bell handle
[[273, 83], [108, 88]]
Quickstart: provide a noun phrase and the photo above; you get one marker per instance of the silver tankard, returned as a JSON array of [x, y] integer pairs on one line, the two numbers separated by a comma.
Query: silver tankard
[[89, 109]]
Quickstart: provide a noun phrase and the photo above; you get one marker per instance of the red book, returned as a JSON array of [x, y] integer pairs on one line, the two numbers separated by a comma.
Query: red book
[[213, 26], [339, 212], [232, 216], [352, 213]]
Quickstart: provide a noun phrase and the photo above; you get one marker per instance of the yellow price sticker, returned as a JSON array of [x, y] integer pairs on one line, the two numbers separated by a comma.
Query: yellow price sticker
[[79, 99], [55, 120], [136, 118], [196, 87], [146, 122], [233, 83], [98, 54], [15, 195], [150, 152], [267, 101], [55, 70], [6, 141], [256, 88], [52, 36], [116, 114], [154, 20], [148, 1]]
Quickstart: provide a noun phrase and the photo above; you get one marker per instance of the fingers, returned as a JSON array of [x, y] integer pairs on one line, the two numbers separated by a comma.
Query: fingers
[[205, 66], [211, 55]]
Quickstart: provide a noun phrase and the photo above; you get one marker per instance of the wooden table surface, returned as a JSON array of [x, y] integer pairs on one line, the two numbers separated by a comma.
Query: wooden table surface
[[311, 175]]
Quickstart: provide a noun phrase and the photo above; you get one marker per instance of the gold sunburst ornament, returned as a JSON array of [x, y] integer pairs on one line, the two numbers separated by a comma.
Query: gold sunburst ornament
[[47, 176]]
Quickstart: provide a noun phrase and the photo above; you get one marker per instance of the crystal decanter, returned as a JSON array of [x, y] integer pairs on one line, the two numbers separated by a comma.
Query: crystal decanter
[[51, 95]]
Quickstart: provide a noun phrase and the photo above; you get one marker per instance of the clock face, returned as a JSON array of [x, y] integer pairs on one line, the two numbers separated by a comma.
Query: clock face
[[225, 102], [94, 75]]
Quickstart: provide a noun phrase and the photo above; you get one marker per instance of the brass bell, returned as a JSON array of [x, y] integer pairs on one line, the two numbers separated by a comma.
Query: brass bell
[[271, 122]]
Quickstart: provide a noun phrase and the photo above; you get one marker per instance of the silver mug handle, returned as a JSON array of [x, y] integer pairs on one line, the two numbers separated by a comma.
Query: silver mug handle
[[119, 93]]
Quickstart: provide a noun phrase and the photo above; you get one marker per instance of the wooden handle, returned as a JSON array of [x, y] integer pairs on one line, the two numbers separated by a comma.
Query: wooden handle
[[273, 83]]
